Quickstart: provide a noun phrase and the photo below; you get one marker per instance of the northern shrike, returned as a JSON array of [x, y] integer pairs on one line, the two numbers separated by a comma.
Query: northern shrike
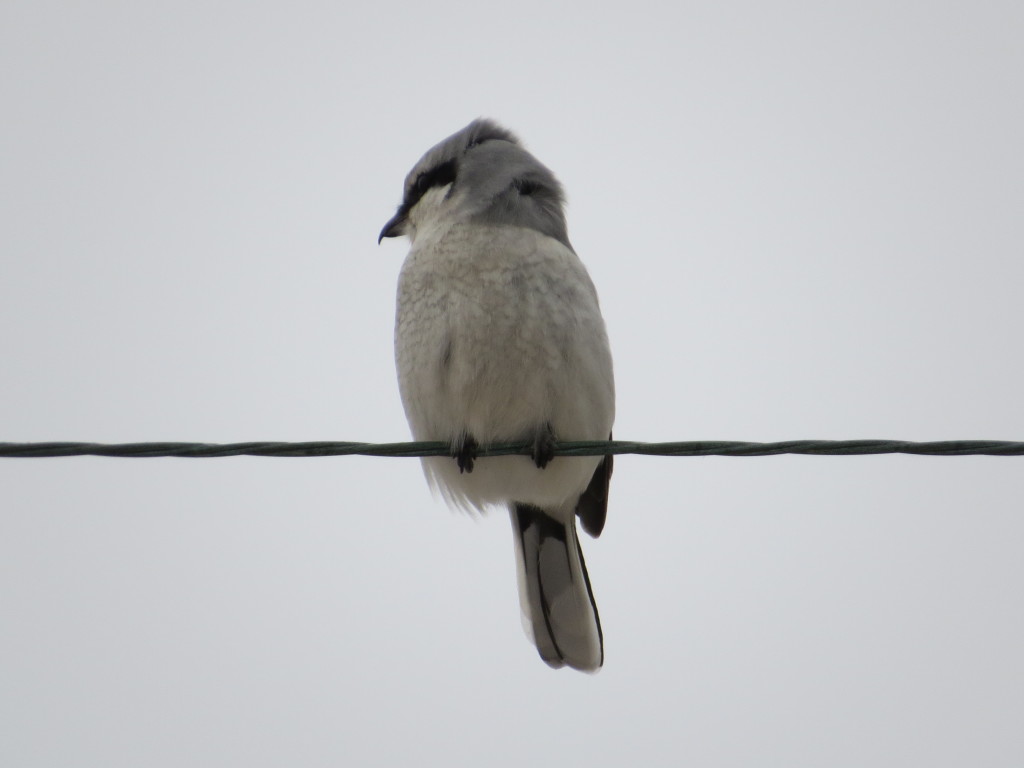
[[499, 338]]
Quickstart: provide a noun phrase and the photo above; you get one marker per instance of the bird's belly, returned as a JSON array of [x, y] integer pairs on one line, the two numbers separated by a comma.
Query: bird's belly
[[498, 351], [500, 479]]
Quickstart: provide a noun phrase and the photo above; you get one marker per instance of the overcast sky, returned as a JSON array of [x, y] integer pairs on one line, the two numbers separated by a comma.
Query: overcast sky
[[804, 220]]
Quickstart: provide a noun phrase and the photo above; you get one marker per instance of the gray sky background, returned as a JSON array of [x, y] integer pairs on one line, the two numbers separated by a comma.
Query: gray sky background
[[804, 221]]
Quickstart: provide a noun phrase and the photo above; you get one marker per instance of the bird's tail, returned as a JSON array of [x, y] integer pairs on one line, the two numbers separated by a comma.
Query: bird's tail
[[554, 590]]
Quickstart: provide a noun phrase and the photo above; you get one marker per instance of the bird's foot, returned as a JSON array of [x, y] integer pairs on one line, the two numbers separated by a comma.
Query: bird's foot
[[543, 446], [464, 451]]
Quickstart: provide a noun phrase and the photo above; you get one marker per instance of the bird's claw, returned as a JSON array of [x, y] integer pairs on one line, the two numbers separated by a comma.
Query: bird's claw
[[543, 447], [464, 451]]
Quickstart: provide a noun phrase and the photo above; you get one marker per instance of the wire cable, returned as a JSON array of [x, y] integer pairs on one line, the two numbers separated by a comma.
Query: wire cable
[[578, 448]]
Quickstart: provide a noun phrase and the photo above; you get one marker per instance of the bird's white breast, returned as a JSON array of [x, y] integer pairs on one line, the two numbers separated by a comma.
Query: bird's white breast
[[498, 332]]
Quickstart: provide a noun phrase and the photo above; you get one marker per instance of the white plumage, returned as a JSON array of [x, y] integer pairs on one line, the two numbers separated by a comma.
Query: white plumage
[[499, 338]]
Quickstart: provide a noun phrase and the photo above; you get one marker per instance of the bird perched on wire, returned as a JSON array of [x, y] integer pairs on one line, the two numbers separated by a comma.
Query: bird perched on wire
[[499, 338]]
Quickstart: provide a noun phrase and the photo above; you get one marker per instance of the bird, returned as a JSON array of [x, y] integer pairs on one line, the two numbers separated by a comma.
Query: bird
[[499, 338]]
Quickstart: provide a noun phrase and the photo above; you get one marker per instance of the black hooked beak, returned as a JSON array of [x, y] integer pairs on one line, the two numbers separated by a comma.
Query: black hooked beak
[[395, 227]]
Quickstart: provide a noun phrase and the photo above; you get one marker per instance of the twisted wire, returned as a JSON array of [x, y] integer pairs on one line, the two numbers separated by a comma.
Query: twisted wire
[[577, 448]]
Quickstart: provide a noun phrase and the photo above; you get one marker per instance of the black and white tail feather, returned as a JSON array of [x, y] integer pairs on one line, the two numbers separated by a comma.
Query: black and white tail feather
[[554, 591]]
